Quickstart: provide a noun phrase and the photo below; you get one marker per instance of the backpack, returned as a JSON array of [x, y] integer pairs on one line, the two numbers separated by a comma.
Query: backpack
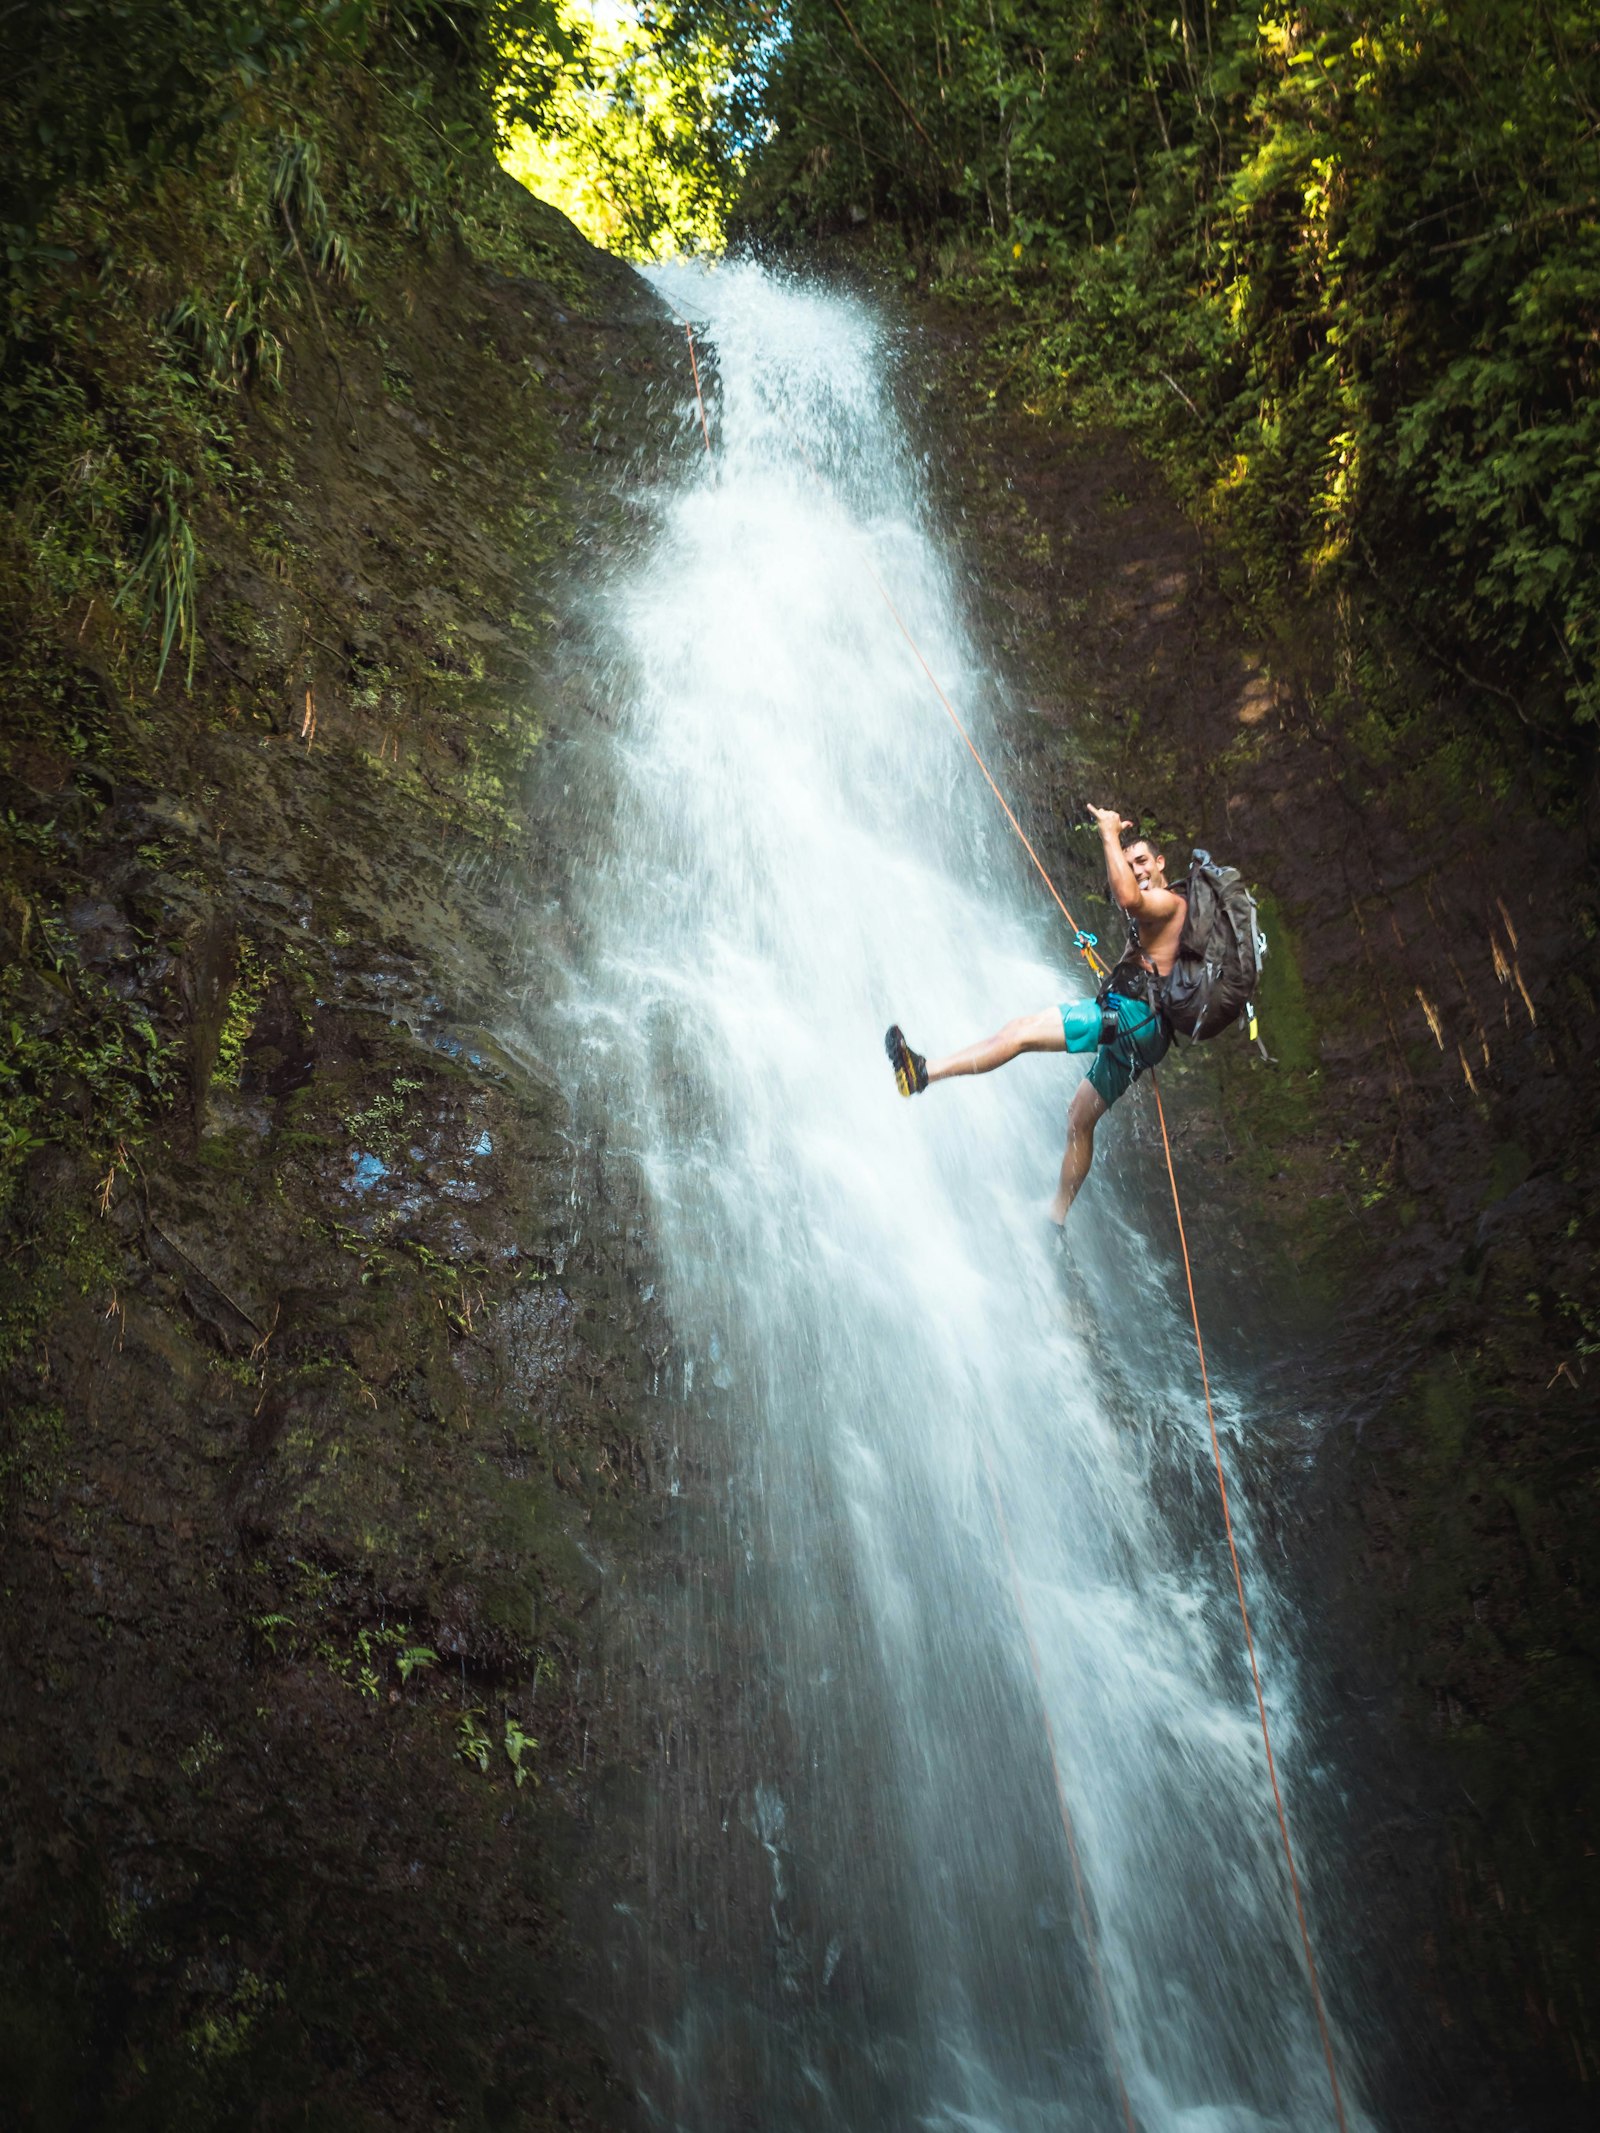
[[1218, 964]]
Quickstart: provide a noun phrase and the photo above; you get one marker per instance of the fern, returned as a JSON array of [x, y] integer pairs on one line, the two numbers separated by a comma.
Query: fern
[[161, 584]]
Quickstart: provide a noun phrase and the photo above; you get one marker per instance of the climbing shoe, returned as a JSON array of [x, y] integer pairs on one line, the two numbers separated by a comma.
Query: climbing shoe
[[910, 1068]]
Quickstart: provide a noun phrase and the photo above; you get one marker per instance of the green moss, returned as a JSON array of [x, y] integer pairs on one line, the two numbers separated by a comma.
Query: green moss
[[282, 1369], [252, 978], [33, 1453], [1445, 1413], [1286, 1019], [1510, 1168], [496, 233], [62, 1250], [222, 2031], [137, 419]]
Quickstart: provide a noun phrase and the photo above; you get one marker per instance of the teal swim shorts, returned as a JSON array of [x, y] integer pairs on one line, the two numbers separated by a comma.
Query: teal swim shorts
[[1142, 1040]]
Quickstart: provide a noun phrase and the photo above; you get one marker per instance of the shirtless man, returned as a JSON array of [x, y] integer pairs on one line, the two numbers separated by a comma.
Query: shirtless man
[[1139, 1034]]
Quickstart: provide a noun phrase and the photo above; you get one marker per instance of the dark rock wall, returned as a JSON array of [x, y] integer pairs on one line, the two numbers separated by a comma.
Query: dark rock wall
[[1393, 1220], [323, 1430]]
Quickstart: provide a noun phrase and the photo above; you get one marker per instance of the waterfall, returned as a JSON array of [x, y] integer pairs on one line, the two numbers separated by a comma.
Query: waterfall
[[858, 1913]]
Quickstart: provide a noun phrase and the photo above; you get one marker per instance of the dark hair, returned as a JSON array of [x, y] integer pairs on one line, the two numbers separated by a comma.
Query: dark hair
[[1132, 837]]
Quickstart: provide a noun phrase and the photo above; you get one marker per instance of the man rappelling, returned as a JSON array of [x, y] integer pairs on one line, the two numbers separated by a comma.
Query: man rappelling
[[1127, 1025]]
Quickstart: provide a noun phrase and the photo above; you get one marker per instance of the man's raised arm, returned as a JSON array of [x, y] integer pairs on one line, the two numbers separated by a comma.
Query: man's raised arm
[[1151, 903]]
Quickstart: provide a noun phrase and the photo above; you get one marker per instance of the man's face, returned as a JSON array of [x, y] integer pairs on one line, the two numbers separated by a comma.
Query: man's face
[[1149, 868]]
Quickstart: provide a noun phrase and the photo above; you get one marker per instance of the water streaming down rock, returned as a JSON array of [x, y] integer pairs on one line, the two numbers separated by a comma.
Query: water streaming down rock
[[869, 1308]]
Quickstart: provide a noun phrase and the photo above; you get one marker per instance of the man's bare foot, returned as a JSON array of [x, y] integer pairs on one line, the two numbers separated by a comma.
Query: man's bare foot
[[910, 1068]]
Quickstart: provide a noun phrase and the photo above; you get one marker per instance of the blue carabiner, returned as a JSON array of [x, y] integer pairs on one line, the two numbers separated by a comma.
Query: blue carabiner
[[1085, 941]]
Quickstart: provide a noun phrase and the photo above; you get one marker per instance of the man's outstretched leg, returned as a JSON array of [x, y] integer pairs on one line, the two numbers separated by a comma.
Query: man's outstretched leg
[[1084, 1113], [1076, 1027], [1042, 1032]]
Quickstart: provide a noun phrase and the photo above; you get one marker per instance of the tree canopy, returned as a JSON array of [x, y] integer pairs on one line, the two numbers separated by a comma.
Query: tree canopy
[[641, 139], [1340, 262], [1345, 257]]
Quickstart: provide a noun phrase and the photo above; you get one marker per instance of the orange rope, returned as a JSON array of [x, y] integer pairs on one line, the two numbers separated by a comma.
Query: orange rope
[[1067, 1831], [1205, 1381], [1249, 1635], [1080, 939]]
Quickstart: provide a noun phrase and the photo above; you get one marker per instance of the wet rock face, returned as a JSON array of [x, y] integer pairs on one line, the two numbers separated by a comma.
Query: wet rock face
[[1403, 1197], [323, 1418]]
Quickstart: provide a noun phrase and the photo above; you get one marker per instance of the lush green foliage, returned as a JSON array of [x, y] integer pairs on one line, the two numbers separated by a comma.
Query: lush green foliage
[[1342, 260], [85, 1071], [122, 365], [642, 137], [195, 187], [99, 91]]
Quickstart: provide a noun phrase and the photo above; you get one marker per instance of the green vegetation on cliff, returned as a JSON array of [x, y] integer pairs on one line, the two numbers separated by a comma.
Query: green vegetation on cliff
[[191, 190], [641, 138], [1340, 264]]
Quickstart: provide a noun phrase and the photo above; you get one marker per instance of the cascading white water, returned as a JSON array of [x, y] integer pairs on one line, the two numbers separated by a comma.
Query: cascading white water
[[871, 1314]]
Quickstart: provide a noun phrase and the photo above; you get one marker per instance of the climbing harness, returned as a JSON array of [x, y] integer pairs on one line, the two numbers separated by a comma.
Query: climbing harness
[[1087, 946], [1132, 977], [1218, 960]]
